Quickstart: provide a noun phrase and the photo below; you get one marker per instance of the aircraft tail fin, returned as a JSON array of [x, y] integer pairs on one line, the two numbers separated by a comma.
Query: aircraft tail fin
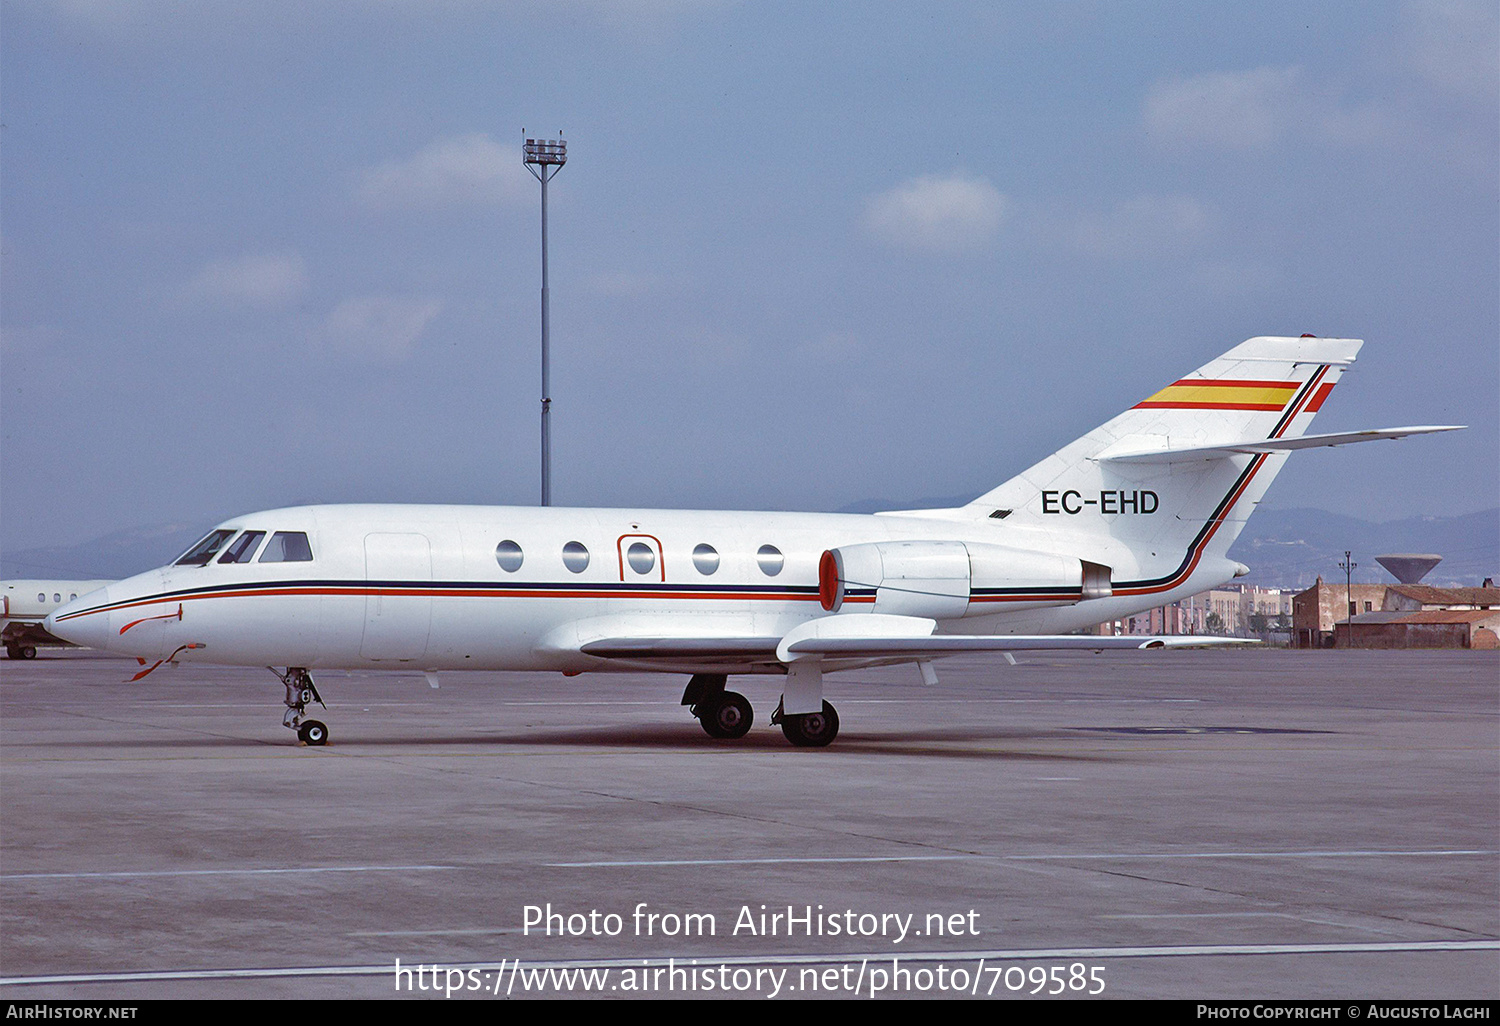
[[1170, 481]]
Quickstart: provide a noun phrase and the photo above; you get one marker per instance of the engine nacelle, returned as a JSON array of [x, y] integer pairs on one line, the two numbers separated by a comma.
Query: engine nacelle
[[944, 580]]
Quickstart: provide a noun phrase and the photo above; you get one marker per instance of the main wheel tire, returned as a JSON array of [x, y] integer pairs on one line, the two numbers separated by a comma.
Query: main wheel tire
[[12, 651], [28, 651], [812, 730], [703, 711], [730, 716], [313, 732]]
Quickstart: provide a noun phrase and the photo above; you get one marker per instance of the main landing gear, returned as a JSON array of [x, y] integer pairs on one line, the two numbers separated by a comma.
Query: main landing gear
[[20, 651], [300, 690], [809, 730], [727, 714]]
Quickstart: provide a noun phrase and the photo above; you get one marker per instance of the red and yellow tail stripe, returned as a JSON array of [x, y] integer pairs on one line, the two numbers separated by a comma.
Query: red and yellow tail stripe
[[1222, 394]]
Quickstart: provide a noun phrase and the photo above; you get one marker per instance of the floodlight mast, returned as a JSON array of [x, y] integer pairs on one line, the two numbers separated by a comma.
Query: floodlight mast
[[1348, 566], [544, 158]]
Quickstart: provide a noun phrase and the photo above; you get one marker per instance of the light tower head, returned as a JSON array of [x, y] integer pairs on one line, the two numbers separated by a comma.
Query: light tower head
[[540, 153]]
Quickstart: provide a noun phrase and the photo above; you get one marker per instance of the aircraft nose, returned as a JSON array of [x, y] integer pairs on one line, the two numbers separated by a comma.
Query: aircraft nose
[[83, 621]]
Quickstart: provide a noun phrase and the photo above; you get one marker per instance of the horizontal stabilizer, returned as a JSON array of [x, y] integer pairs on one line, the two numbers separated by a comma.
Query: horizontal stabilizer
[[1188, 454]]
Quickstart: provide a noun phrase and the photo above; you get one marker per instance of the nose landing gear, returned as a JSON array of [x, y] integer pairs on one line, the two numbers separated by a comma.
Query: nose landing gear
[[300, 690]]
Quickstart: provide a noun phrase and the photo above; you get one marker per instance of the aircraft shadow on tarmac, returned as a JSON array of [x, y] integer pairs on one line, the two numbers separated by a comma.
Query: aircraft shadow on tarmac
[[971, 742]]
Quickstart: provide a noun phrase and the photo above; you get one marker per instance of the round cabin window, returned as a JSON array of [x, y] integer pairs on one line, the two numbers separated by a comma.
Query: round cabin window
[[770, 559], [509, 555], [706, 559], [640, 557], [575, 556]]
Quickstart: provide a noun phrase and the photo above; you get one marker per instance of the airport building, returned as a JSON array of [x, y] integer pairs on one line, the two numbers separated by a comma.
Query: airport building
[[1316, 610], [1432, 628], [1396, 616], [1384, 616], [1247, 611]]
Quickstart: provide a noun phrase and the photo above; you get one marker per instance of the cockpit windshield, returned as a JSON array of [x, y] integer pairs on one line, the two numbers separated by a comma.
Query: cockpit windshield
[[200, 554], [287, 547], [243, 548]]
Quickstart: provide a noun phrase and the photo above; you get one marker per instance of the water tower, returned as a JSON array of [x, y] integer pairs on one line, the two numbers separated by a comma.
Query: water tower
[[1409, 568]]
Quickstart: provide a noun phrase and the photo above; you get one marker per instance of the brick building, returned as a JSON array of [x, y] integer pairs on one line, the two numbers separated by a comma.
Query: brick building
[[1430, 628], [1396, 616], [1316, 610]]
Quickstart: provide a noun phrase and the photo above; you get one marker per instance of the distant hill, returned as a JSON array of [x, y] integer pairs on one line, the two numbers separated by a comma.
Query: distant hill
[[1291, 547], [1283, 547], [116, 555]]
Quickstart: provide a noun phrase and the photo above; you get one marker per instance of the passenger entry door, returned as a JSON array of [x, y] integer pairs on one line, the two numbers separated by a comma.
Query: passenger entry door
[[398, 604], [640, 558]]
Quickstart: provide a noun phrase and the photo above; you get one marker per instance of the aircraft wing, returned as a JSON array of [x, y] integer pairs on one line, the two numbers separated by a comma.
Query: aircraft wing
[[867, 636], [949, 644], [1186, 454], [682, 648]]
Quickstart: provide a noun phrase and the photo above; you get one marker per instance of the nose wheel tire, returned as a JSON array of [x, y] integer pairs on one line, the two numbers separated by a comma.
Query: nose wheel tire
[[812, 730], [727, 715], [313, 733]]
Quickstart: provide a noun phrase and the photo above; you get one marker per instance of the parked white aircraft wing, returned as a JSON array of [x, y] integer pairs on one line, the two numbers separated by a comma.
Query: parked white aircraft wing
[[948, 644], [846, 649], [883, 636], [681, 648]]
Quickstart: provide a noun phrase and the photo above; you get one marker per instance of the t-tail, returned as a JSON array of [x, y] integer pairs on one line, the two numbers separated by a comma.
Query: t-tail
[[1156, 496]]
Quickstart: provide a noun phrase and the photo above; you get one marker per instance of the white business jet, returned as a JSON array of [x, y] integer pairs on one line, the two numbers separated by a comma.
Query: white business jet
[[1135, 514], [21, 615]]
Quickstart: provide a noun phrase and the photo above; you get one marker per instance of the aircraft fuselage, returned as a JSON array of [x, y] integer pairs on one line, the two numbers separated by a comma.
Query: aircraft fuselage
[[485, 588]]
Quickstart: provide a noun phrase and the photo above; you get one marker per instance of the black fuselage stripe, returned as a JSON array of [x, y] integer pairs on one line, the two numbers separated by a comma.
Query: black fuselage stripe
[[484, 589]]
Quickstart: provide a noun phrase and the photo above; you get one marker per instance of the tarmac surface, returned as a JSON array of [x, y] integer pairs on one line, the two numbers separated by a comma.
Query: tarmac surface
[[1214, 824]]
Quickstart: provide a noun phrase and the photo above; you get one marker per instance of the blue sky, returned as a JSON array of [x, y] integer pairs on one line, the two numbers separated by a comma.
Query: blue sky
[[258, 254]]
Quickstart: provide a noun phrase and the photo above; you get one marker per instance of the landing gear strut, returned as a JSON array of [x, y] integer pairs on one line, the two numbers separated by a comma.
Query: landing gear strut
[[300, 690], [724, 714]]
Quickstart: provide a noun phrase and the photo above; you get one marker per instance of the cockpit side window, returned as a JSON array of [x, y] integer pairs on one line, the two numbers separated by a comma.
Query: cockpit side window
[[243, 548], [287, 547], [200, 554]]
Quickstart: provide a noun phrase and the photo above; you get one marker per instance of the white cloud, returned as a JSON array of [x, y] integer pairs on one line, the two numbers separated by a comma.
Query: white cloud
[[951, 214], [1142, 226], [1456, 44], [1254, 110], [1236, 109], [463, 171], [381, 328], [255, 280]]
